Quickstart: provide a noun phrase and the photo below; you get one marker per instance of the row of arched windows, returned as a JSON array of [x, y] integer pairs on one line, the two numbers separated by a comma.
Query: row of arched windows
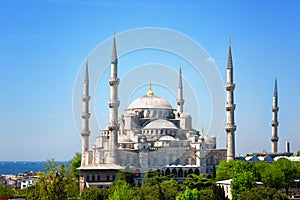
[[180, 173], [98, 178]]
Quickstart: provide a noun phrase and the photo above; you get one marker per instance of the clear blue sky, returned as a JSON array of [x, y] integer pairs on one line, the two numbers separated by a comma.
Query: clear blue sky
[[44, 43]]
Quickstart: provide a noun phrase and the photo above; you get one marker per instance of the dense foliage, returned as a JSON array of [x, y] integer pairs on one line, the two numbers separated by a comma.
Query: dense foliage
[[62, 182], [263, 193], [278, 175]]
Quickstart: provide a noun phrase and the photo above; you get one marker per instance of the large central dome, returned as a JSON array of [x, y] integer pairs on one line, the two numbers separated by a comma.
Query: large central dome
[[150, 101]]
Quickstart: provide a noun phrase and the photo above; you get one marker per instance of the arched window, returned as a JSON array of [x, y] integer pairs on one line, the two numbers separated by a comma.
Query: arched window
[[197, 172], [99, 178], [180, 173], [87, 178], [174, 172], [167, 172], [185, 173]]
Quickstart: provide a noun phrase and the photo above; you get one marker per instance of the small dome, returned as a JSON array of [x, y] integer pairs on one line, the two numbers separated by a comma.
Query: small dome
[[150, 102], [185, 115], [166, 138], [160, 124]]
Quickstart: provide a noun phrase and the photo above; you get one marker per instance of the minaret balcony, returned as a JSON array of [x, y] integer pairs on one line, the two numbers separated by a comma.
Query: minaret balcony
[[85, 115], [275, 109], [180, 102], [230, 107], [114, 81], [274, 123], [113, 104], [113, 126], [85, 133], [229, 86], [230, 127], [85, 98], [274, 139]]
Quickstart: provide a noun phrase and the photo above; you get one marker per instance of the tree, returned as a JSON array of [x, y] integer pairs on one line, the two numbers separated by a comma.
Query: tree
[[94, 194], [127, 176], [262, 193], [213, 192], [199, 182], [6, 192], [56, 184], [227, 170], [122, 191], [272, 177], [157, 186], [75, 163], [298, 153], [290, 170], [169, 189], [189, 194], [241, 183], [153, 178]]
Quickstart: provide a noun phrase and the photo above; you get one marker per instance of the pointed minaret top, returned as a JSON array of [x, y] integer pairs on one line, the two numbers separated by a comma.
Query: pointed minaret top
[[229, 62], [180, 77], [275, 88], [150, 93], [114, 59], [86, 76]]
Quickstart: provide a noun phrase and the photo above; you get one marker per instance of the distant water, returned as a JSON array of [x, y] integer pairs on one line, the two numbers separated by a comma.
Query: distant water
[[9, 167]]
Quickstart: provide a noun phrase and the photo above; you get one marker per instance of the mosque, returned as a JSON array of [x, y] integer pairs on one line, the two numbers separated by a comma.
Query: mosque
[[151, 135]]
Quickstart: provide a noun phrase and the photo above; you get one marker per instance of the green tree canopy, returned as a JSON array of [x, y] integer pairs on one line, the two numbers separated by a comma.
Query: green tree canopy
[[242, 182], [189, 194], [262, 193], [6, 192], [199, 182], [126, 175], [56, 184], [227, 170], [122, 191], [94, 194], [290, 170], [75, 163]]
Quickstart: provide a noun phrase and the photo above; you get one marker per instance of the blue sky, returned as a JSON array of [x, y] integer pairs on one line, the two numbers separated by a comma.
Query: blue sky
[[44, 43]]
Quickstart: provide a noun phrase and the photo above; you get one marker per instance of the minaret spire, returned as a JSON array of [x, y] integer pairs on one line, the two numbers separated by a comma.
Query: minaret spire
[[113, 104], [85, 115], [180, 100], [114, 58], [275, 122], [86, 75], [230, 126]]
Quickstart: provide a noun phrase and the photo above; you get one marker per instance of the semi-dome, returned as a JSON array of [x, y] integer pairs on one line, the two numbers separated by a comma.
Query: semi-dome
[[152, 102], [124, 139], [160, 124]]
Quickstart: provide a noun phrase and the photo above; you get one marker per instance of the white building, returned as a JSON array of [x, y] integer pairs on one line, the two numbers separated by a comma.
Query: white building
[[27, 182]]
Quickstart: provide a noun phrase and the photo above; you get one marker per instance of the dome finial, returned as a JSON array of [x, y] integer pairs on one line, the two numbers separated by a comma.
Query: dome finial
[[150, 93], [202, 132]]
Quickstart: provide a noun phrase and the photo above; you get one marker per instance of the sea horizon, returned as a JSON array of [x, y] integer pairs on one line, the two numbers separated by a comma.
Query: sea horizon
[[22, 167]]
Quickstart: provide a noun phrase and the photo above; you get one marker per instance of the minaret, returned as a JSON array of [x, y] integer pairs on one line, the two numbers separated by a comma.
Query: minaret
[[230, 126], [85, 115], [180, 100], [275, 122], [113, 105]]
